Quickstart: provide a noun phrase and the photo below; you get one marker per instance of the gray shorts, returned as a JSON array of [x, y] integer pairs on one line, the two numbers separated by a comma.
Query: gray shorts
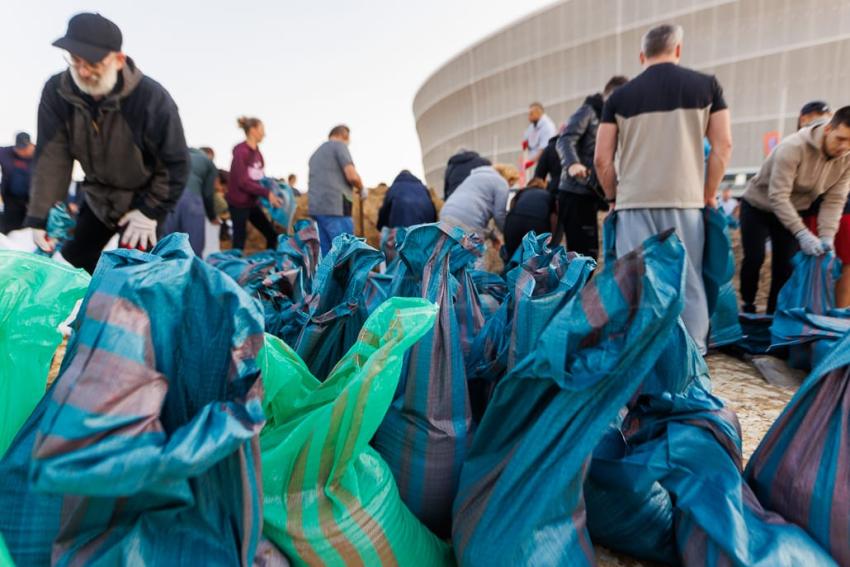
[[636, 225]]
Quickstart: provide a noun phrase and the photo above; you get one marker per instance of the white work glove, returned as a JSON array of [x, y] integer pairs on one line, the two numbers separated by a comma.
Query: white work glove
[[43, 241], [809, 243], [139, 230], [827, 244]]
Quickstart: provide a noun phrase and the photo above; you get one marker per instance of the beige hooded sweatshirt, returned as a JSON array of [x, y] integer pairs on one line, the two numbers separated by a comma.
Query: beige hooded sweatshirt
[[794, 175]]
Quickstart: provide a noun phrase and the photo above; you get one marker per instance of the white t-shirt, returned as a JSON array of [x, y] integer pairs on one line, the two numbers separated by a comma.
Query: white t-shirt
[[538, 135], [729, 206]]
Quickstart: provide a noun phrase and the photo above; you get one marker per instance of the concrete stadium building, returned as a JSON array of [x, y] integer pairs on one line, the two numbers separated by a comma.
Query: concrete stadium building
[[771, 56]]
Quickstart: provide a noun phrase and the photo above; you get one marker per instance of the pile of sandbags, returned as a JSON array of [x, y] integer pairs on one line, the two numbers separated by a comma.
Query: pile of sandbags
[[412, 410]]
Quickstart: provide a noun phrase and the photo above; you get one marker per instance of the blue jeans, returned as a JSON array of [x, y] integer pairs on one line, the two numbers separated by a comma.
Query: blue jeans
[[331, 226]]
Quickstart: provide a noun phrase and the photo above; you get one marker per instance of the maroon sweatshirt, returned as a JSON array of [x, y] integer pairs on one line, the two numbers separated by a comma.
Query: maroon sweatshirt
[[246, 171]]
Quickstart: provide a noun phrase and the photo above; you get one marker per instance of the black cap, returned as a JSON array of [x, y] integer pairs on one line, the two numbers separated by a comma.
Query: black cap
[[22, 141], [818, 106], [91, 37]]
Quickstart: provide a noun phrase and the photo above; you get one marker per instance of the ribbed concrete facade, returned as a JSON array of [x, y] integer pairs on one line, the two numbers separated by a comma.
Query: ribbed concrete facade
[[771, 56]]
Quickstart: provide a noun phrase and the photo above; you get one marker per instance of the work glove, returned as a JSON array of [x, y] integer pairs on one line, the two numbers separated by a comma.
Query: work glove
[[139, 230], [809, 243], [827, 244], [40, 238]]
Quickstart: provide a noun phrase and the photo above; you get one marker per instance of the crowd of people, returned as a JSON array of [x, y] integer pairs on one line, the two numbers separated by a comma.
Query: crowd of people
[[654, 149]]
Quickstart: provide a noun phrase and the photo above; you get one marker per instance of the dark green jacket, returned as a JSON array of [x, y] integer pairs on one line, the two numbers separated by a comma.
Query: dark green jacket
[[130, 145]]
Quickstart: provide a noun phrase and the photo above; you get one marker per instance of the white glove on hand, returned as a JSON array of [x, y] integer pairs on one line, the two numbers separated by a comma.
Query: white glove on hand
[[139, 230], [809, 243], [41, 240], [827, 244]]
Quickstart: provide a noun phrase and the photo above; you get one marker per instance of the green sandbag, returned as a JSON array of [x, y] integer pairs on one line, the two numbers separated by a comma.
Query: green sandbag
[[36, 295], [5, 558], [330, 499]]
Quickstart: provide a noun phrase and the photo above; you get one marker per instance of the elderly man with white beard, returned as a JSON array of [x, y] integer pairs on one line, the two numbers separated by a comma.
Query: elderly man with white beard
[[124, 130]]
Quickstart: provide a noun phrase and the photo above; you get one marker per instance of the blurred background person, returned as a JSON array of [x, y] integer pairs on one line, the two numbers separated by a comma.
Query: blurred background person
[[15, 169], [458, 169], [244, 189], [197, 203], [407, 203]]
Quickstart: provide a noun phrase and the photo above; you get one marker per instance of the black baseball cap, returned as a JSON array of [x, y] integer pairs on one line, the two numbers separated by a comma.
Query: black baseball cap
[[91, 37], [817, 106], [22, 141]]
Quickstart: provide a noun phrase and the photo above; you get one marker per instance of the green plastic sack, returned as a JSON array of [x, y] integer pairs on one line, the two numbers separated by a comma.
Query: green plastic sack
[[5, 558], [36, 296], [330, 499]]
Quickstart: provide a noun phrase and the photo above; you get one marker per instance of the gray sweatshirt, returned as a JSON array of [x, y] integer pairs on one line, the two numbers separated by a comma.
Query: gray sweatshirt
[[482, 196]]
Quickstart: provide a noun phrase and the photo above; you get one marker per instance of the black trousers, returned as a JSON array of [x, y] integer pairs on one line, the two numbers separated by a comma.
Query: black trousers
[[578, 217], [240, 217], [14, 213], [90, 236], [756, 227]]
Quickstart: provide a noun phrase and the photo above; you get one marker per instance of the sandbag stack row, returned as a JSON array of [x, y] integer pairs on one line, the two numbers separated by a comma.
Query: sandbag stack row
[[428, 415]]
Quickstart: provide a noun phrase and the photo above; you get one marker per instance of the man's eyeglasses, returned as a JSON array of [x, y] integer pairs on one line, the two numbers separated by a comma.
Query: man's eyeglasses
[[80, 63]]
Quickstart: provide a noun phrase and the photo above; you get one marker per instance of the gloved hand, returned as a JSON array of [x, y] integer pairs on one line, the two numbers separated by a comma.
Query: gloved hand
[[40, 238], [139, 230], [809, 243], [827, 244]]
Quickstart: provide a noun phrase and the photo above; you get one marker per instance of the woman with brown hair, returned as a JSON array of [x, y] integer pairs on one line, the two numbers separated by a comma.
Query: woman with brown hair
[[244, 189]]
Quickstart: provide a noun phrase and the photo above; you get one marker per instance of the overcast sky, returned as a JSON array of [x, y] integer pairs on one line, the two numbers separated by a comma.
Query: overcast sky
[[301, 67]]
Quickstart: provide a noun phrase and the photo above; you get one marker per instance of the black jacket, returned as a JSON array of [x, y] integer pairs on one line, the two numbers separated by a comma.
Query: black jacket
[[458, 169], [577, 144], [407, 203], [130, 145], [549, 165]]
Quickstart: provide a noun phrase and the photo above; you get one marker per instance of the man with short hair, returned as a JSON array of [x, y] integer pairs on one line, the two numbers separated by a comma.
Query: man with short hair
[[124, 130], [15, 165], [814, 111], [810, 164], [579, 194], [291, 180], [658, 121], [331, 179], [540, 130]]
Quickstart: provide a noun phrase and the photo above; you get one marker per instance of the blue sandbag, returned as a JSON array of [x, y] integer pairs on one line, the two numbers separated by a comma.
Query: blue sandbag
[[520, 497], [150, 422], [665, 484], [718, 261], [337, 306], [810, 291], [532, 244], [428, 428], [285, 214], [718, 271], [537, 288], [281, 279], [801, 469]]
